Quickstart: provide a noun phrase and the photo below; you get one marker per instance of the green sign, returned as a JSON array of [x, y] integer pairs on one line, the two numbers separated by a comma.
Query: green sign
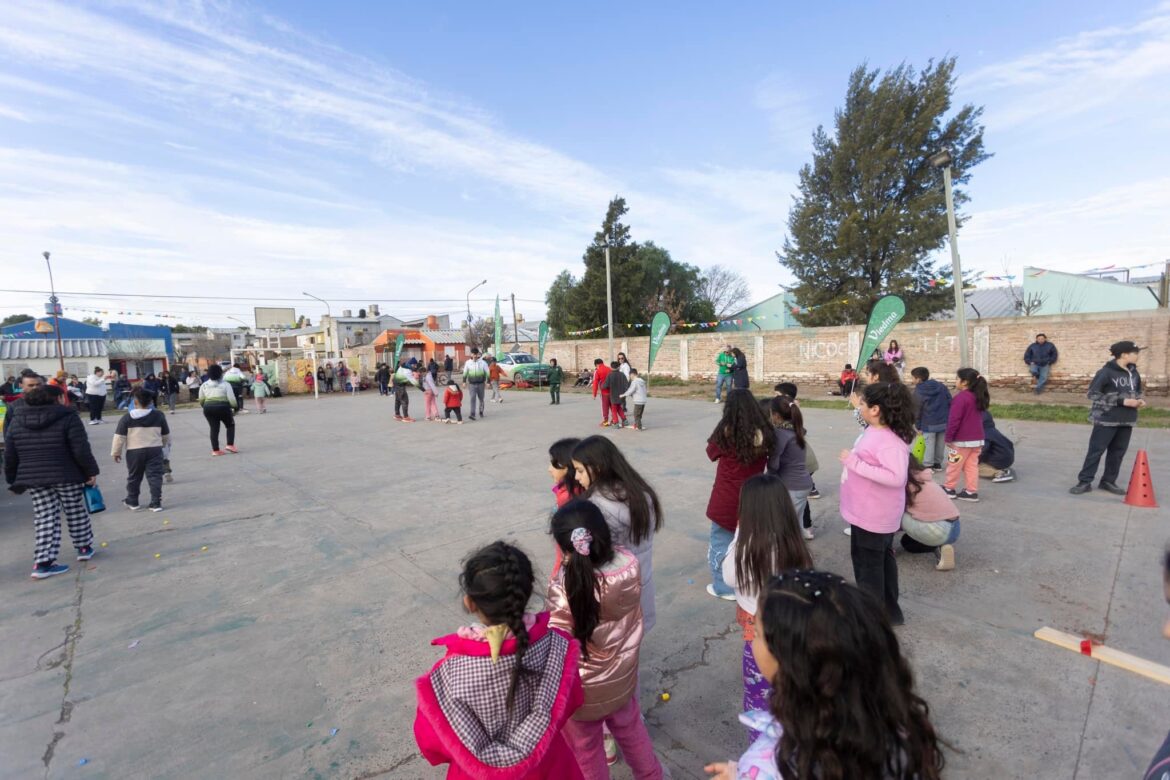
[[398, 342], [499, 329], [886, 313], [541, 340], [659, 327]]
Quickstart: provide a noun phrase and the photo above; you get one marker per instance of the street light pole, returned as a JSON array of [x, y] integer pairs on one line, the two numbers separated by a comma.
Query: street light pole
[[56, 321], [609, 301], [943, 160], [469, 292], [329, 313]]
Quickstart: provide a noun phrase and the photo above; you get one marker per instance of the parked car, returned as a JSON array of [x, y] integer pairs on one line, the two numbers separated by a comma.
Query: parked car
[[522, 366]]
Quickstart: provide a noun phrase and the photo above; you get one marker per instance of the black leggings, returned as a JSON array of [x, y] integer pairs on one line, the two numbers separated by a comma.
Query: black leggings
[[220, 413], [96, 404]]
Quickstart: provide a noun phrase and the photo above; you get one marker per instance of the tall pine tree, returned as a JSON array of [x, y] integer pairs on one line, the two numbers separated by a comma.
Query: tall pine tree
[[871, 208]]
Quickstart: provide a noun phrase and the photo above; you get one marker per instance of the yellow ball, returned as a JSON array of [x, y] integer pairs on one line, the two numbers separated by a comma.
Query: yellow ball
[[158, 555], [203, 549], [166, 522], [105, 544], [666, 697]]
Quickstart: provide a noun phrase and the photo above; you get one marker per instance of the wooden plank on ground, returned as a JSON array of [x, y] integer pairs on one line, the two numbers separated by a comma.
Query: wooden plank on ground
[[1105, 654]]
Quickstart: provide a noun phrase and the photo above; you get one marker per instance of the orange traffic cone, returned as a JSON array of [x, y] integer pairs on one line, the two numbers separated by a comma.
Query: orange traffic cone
[[1141, 487]]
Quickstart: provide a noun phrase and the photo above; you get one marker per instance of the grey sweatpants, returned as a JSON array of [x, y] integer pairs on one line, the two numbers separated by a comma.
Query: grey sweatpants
[[475, 390]]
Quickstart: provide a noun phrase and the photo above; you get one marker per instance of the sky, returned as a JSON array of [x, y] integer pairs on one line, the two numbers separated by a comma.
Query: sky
[[194, 159]]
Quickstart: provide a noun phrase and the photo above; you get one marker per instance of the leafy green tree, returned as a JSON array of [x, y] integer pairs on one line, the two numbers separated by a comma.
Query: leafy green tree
[[92, 321], [871, 208], [644, 279], [14, 319]]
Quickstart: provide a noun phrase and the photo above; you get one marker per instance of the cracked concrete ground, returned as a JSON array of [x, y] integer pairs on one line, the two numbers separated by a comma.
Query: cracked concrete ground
[[332, 547]]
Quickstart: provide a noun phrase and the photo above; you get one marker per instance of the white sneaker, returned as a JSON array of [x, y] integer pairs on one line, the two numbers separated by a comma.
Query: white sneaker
[[711, 592], [716, 400], [848, 530], [808, 533], [946, 557], [94, 422]]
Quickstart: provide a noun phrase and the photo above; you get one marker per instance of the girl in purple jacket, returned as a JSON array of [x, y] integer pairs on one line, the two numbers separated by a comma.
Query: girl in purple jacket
[[964, 436]]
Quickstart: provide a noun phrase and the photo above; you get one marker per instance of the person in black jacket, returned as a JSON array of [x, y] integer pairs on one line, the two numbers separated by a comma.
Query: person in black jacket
[[47, 453], [170, 390], [1040, 356], [1116, 395], [383, 378], [739, 372]]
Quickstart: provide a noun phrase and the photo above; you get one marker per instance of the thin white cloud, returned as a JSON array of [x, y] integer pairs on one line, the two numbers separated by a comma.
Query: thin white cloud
[[786, 105], [1121, 64]]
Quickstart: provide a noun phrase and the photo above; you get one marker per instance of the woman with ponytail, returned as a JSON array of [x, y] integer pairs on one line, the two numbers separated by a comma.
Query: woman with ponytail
[[964, 434], [478, 705], [596, 596]]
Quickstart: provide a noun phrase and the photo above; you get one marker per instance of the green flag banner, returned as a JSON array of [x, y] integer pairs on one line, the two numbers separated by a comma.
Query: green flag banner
[[499, 330], [887, 312], [398, 342], [541, 340], [659, 327]]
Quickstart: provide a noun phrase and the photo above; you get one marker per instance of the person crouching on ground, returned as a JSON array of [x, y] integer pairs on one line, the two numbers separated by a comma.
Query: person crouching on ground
[[998, 454], [453, 403], [142, 434], [931, 522]]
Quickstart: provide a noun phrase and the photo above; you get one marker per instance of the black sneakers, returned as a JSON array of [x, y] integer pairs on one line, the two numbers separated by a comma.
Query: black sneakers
[[1111, 487], [1080, 487]]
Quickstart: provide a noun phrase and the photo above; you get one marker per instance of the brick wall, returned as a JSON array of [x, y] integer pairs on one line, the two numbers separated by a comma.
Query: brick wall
[[818, 354]]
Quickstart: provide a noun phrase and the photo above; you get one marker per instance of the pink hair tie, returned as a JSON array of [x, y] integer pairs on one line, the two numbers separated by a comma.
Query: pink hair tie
[[581, 539]]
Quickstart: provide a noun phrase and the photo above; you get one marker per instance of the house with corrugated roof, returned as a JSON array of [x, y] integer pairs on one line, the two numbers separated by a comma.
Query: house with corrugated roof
[[33, 344]]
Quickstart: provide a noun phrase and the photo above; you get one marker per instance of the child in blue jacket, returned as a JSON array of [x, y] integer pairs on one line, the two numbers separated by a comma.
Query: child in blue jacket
[[934, 406]]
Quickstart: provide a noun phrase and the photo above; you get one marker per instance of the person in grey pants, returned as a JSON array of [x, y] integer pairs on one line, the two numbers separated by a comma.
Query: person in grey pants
[[475, 374]]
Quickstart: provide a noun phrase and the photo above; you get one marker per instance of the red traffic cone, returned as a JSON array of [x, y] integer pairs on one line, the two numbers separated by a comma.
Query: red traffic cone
[[1141, 487]]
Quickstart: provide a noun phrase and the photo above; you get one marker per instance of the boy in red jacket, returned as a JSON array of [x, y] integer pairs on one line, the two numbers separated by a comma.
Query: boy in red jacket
[[600, 372], [453, 402]]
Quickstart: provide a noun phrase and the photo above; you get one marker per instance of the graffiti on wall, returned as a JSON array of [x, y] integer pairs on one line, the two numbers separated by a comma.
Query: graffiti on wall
[[938, 344], [812, 350]]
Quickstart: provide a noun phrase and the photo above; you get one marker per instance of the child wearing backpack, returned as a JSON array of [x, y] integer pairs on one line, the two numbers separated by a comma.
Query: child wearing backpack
[[493, 675], [766, 543], [596, 596]]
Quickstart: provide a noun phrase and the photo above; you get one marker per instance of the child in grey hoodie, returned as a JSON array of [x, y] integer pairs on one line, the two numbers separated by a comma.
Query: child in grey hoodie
[[636, 392]]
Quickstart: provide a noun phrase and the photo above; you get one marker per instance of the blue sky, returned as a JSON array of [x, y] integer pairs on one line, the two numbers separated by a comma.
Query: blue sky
[[401, 152]]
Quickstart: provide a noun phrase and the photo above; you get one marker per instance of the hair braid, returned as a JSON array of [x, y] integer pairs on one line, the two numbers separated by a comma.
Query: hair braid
[[517, 573]]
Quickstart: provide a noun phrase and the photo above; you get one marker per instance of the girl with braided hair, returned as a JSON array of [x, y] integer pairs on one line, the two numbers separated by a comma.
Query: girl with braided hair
[[596, 595], [873, 488], [843, 702], [496, 704]]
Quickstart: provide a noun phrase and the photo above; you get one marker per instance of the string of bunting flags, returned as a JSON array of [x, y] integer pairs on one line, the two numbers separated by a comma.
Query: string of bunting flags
[[108, 312], [711, 324]]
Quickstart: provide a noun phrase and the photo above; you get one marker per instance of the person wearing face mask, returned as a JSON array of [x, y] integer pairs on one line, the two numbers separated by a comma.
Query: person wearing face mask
[[1116, 396]]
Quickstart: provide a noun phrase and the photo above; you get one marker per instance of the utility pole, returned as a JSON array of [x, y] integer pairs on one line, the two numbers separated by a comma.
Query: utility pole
[[609, 301], [1164, 287], [515, 327], [944, 159], [55, 306]]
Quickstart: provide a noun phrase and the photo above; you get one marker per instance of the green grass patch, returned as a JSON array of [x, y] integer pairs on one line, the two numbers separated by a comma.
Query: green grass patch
[[1147, 418]]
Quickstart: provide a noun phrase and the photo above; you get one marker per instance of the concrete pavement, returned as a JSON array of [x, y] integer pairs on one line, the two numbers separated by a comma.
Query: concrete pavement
[[333, 547]]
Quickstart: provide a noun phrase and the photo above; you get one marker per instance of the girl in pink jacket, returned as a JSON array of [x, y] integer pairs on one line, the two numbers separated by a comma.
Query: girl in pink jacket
[[494, 707], [596, 595], [873, 489]]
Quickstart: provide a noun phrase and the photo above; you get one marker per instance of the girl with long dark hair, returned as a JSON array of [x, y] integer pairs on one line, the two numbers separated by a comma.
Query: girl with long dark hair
[[844, 703], [630, 507], [964, 434], [740, 446], [494, 673], [873, 489], [739, 372], [597, 597], [789, 461], [767, 542]]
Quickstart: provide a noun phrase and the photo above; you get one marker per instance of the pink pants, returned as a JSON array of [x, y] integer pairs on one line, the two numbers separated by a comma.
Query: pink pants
[[628, 729], [964, 460], [430, 404]]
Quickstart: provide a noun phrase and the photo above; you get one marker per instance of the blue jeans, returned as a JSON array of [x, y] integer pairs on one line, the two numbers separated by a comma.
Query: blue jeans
[[1041, 374], [716, 552], [720, 381]]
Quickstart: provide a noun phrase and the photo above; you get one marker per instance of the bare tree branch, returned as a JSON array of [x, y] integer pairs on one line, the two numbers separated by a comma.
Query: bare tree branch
[[725, 289]]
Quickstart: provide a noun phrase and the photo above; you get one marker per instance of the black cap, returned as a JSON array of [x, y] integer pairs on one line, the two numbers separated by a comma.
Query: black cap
[[1122, 347]]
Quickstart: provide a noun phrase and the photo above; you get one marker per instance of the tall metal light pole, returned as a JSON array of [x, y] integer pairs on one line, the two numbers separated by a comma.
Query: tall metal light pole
[[609, 301], [329, 312], [55, 306], [943, 159], [469, 292]]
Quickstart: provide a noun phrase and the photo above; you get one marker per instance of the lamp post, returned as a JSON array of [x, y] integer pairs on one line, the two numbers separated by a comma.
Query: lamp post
[[608, 301], [469, 292], [55, 306], [329, 314], [943, 159]]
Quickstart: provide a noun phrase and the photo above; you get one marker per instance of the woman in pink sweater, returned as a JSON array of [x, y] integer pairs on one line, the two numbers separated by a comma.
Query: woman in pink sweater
[[873, 489], [964, 434]]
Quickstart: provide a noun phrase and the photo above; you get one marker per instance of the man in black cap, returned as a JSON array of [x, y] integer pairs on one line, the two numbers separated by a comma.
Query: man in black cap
[[1116, 395]]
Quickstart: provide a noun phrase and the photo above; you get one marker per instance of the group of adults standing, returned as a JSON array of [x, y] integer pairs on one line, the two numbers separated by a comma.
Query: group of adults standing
[[733, 371]]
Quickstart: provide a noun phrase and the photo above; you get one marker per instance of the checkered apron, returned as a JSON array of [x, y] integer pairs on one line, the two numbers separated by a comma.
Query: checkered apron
[[48, 503]]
